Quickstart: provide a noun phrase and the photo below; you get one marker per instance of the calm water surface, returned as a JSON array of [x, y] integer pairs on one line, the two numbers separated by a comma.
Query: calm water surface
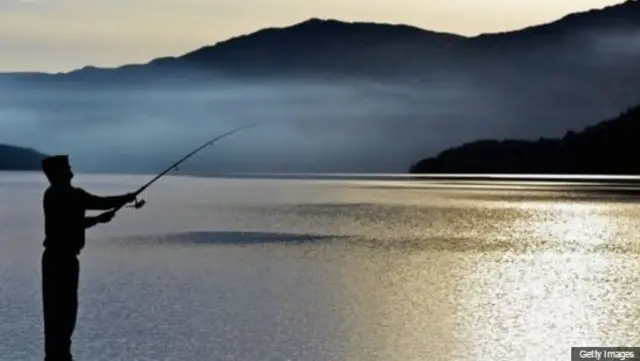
[[303, 270]]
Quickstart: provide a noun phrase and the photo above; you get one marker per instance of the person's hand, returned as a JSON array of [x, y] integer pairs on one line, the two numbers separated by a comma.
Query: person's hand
[[105, 217], [130, 197]]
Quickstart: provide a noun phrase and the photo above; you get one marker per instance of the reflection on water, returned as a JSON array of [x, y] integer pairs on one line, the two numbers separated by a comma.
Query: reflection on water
[[578, 225], [334, 270]]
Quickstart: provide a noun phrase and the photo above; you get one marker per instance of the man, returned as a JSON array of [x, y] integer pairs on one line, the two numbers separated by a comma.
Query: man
[[65, 224]]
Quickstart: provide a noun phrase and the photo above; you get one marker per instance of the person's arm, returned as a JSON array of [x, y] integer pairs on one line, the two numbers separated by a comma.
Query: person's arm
[[94, 202], [90, 222], [95, 220]]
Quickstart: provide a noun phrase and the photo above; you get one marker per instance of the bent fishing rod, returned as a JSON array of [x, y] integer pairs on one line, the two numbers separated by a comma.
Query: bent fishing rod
[[139, 204]]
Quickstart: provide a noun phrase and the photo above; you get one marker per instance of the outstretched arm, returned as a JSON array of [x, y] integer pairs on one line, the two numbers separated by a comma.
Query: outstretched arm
[[101, 218], [90, 222], [94, 202]]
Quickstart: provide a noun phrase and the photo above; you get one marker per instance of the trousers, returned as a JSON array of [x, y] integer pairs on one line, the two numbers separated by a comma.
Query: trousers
[[60, 273]]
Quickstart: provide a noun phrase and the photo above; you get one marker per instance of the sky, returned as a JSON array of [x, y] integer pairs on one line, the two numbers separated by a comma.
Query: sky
[[61, 35]]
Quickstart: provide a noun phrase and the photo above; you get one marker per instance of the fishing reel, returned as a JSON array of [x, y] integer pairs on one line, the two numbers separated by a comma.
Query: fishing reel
[[137, 204]]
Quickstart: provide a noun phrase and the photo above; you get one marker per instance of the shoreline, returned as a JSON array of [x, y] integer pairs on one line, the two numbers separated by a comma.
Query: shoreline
[[551, 178]]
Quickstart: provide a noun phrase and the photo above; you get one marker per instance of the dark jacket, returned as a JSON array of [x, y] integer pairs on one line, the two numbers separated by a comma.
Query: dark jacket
[[65, 220]]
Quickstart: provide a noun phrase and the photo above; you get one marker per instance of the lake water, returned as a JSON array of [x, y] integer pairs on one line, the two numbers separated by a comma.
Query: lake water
[[304, 270]]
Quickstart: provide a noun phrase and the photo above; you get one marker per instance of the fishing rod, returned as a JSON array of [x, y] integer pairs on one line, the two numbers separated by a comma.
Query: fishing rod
[[139, 204]]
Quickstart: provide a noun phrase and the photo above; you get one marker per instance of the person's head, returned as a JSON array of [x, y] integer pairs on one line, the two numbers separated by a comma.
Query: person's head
[[57, 169]]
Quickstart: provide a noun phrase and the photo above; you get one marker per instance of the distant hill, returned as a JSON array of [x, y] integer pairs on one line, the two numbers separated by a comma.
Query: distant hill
[[19, 159], [385, 95], [319, 47], [312, 48], [610, 147]]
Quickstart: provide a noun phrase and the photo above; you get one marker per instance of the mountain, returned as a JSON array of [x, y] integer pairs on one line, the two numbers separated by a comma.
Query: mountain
[[314, 47], [318, 47], [18, 158], [336, 96], [608, 147]]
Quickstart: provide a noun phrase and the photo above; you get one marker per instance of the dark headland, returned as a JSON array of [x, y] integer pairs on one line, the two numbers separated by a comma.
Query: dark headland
[[13, 158], [609, 147]]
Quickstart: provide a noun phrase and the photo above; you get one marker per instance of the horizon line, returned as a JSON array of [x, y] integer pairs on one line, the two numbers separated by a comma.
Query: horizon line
[[399, 175]]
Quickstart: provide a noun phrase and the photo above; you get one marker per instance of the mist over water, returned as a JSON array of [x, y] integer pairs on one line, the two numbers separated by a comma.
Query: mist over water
[[335, 124], [305, 127], [367, 126]]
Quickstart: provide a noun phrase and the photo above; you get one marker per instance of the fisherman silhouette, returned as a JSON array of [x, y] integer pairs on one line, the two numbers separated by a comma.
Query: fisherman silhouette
[[65, 224]]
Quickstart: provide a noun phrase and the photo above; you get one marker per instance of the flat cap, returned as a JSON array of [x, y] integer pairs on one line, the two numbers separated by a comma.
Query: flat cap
[[56, 162]]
